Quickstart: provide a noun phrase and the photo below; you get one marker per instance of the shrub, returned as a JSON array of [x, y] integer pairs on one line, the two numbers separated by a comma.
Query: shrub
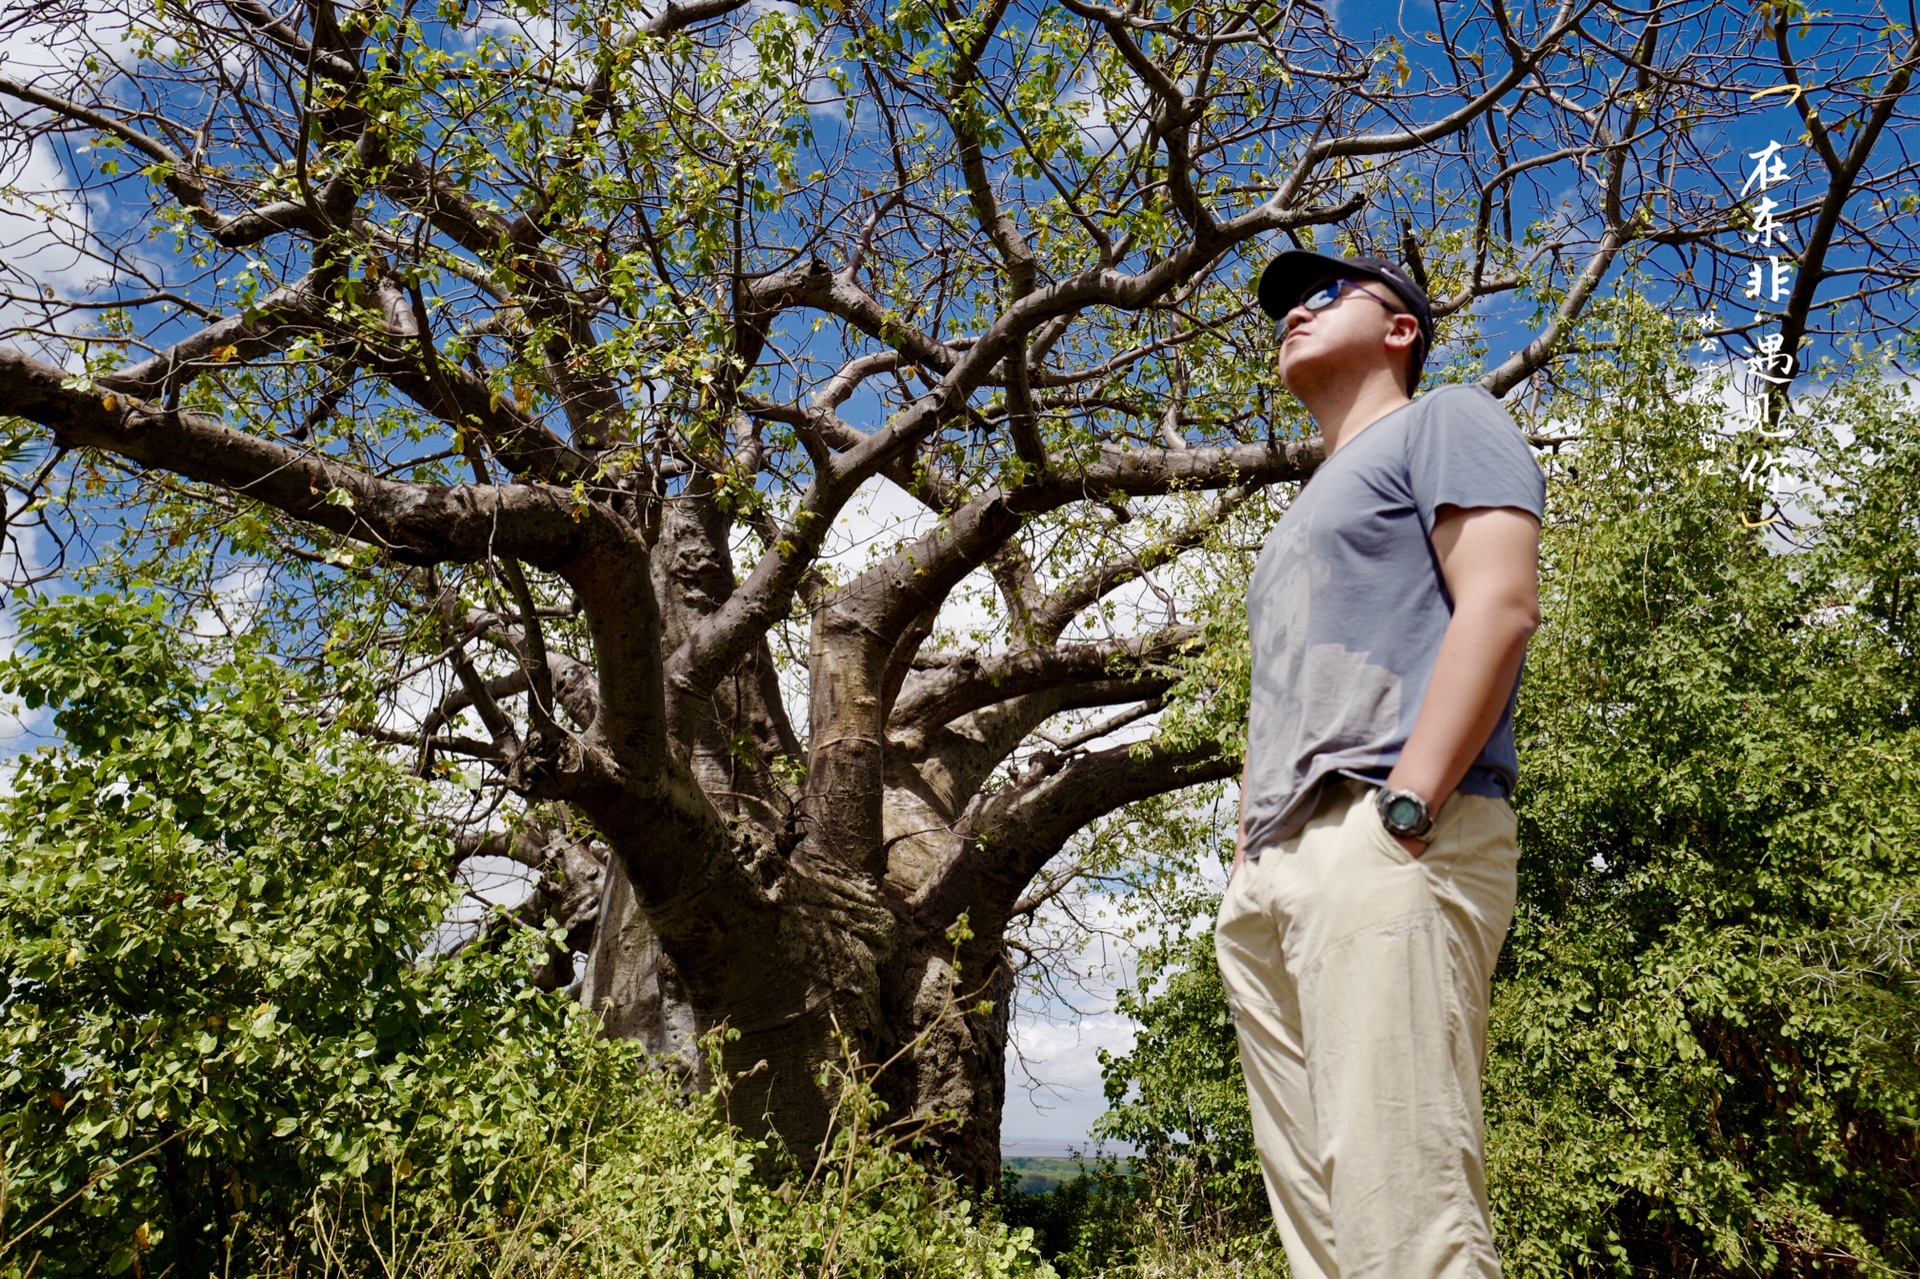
[[229, 1046], [213, 910], [1705, 1050], [625, 1176]]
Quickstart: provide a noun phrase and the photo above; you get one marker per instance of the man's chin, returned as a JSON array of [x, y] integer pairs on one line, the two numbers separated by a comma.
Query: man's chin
[[1297, 376]]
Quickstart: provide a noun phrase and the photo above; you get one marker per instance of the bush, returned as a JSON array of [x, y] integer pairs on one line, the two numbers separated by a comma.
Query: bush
[[229, 1047], [627, 1177], [1180, 1100], [212, 916], [1085, 1224], [1114, 1222], [1705, 1050]]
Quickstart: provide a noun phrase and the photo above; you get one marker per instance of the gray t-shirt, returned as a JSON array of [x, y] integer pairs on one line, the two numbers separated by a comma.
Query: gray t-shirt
[[1347, 605]]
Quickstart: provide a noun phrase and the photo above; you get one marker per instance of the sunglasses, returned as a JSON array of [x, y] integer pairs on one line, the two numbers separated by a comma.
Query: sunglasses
[[1329, 293]]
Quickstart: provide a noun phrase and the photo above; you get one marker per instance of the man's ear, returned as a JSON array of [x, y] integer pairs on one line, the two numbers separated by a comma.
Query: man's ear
[[1403, 339], [1403, 333]]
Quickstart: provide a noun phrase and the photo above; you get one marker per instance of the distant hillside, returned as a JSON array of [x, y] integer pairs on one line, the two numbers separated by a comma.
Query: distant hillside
[[1041, 1173]]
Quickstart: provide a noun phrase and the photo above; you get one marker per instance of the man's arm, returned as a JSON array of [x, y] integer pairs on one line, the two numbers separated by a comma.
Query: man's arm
[[1240, 829], [1490, 558]]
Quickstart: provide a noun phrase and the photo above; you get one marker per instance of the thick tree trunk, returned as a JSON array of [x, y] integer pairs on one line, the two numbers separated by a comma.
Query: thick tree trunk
[[856, 920], [944, 1059], [634, 987], [954, 1028], [834, 977]]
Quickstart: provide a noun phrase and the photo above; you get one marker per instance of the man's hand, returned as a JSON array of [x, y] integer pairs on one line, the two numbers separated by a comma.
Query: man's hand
[[1490, 558]]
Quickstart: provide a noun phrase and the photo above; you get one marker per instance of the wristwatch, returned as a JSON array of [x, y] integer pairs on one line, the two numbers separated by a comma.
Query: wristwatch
[[1404, 813]]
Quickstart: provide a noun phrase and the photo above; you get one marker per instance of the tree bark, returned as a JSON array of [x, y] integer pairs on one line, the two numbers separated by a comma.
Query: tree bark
[[634, 988]]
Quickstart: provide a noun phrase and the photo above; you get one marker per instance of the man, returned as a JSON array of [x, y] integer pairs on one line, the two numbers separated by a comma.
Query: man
[[1374, 878]]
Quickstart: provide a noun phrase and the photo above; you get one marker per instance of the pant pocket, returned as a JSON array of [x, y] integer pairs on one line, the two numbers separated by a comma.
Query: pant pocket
[[1376, 828]]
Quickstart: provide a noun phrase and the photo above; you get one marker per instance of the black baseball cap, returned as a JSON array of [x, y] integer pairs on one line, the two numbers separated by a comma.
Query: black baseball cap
[[1289, 275]]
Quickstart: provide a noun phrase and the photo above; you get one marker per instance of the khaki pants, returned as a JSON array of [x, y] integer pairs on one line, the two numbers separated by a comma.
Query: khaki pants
[[1358, 979]]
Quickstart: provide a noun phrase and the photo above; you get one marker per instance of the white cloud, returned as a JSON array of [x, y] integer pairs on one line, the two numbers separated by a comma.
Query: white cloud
[[1054, 1088], [1106, 121], [44, 239], [235, 596], [33, 47]]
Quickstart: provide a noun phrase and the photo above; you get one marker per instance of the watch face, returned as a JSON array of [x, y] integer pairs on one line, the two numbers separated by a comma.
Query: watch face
[[1404, 813]]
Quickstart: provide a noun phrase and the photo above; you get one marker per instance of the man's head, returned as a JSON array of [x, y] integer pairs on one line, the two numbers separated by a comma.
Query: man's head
[[1337, 316]]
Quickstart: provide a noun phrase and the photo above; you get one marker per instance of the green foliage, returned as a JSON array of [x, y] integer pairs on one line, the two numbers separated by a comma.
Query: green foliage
[[1126, 1220], [212, 915], [1705, 1052], [1033, 1174], [1178, 1097], [1705, 1044], [1082, 1224], [663, 1186], [229, 1047]]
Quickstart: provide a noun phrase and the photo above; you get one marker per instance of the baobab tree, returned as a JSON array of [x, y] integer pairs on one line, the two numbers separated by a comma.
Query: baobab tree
[[550, 343]]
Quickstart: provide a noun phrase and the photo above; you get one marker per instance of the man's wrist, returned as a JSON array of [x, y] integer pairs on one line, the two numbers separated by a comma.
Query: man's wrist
[[1430, 791], [1427, 789]]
